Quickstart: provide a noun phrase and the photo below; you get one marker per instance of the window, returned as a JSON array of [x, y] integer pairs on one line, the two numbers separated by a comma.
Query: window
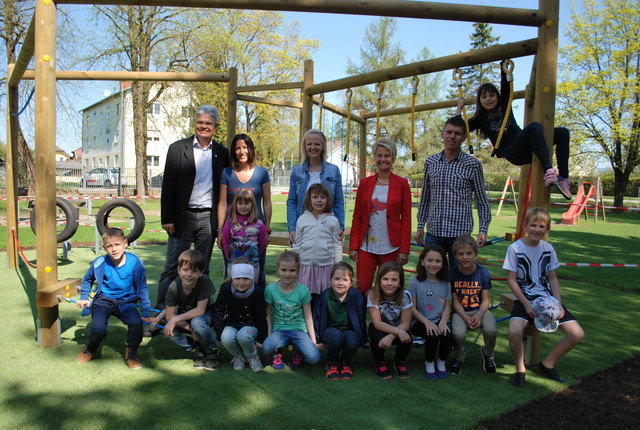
[[153, 161], [100, 161], [86, 162], [116, 161], [107, 157], [154, 109]]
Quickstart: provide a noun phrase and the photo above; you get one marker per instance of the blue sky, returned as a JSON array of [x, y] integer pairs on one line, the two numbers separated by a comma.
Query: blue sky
[[340, 39]]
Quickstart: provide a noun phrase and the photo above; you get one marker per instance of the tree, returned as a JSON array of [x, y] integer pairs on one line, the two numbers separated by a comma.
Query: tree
[[600, 95]]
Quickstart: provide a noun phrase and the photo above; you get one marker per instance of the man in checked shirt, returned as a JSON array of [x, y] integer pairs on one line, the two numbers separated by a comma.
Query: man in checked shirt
[[450, 179]]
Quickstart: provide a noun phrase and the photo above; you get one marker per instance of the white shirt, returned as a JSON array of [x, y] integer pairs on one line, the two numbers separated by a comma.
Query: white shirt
[[202, 193]]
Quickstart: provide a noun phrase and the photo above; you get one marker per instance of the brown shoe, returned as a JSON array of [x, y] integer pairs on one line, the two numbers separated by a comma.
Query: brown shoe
[[131, 359], [84, 356]]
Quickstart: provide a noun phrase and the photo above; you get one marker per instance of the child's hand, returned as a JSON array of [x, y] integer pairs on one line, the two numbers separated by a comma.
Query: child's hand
[[529, 309], [168, 328], [473, 323], [386, 341], [443, 327], [258, 345], [83, 303], [432, 329], [320, 346], [404, 336], [460, 104], [150, 320]]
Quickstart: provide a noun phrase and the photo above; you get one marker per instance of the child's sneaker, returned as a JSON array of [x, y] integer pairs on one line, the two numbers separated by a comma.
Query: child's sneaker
[[277, 362], [346, 372], [518, 379], [550, 372], [401, 369], [456, 367], [382, 371], [199, 359], [332, 372], [430, 370], [296, 361], [237, 362], [255, 364], [131, 359], [488, 362], [564, 187], [211, 361], [84, 356]]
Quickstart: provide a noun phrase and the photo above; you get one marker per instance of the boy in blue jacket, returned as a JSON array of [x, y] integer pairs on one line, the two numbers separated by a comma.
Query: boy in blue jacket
[[121, 282]]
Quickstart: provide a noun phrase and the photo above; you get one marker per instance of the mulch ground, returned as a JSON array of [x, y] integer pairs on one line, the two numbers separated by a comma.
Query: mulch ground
[[609, 399]]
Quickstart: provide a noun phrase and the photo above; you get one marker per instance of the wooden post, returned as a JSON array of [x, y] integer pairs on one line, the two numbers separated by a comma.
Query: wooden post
[[306, 114], [545, 93], [11, 167], [232, 105], [362, 152], [45, 120]]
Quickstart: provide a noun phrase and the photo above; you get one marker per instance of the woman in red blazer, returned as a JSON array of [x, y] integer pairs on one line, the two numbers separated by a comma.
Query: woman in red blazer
[[380, 197]]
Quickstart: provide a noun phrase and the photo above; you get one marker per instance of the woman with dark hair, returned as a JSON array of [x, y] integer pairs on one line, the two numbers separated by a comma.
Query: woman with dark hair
[[245, 175]]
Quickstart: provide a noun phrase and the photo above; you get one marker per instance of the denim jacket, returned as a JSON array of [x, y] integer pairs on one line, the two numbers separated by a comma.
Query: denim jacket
[[298, 184]]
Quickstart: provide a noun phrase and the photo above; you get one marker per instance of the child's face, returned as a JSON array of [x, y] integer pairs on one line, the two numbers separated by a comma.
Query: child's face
[[389, 283], [318, 202], [115, 247], [242, 284], [432, 262], [288, 272], [341, 282], [189, 276], [536, 228], [465, 256], [489, 100], [244, 207]]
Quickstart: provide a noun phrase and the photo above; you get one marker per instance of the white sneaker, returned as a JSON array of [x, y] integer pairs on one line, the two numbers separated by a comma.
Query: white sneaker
[[255, 364], [237, 362]]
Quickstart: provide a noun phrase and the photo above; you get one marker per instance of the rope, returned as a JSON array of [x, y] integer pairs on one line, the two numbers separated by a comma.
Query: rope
[[321, 106], [507, 68], [26, 104], [24, 258], [457, 74], [379, 90], [414, 91], [348, 93]]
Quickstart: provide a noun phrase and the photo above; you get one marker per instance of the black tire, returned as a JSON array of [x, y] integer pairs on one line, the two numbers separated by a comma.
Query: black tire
[[102, 217], [70, 213]]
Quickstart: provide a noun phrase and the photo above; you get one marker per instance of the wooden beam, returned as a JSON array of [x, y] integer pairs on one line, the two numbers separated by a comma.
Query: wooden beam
[[87, 75], [270, 87], [306, 113], [462, 59], [232, 105], [397, 8], [25, 55], [263, 100], [45, 136], [11, 166], [47, 297], [432, 106], [337, 110]]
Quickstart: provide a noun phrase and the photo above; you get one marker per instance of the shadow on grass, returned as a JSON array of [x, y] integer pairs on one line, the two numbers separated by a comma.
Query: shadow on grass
[[29, 286]]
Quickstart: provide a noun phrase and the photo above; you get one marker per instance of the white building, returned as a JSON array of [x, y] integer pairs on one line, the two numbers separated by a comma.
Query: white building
[[107, 130]]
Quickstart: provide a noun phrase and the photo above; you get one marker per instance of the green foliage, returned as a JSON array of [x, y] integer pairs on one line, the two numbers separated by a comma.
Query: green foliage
[[600, 95]]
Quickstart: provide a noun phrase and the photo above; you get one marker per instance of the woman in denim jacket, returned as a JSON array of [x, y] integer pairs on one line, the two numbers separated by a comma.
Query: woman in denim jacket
[[313, 169]]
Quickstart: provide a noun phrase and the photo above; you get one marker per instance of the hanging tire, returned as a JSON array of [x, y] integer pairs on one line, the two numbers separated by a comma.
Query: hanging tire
[[102, 217], [71, 215]]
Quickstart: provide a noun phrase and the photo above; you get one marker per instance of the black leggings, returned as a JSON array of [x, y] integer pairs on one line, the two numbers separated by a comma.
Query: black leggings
[[531, 140], [440, 344], [402, 349]]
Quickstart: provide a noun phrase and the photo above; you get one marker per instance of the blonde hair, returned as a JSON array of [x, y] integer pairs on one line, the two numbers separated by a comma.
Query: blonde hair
[[243, 196], [465, 240], [323, 154], [538, 214], [387, 143]]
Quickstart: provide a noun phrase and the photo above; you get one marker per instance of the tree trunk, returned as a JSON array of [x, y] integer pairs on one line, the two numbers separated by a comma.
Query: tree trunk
[[140, 95], [26, 165], [620, 181]]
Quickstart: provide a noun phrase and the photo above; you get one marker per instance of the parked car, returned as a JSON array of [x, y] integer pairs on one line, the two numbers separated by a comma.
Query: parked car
[[156, 181], [103, 177], [70, 177]]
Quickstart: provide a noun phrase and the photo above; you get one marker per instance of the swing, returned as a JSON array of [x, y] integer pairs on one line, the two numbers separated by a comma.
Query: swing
[[414, 91], [348, 94], [507, 68], [457, 75], [321, 110], [379, 90]]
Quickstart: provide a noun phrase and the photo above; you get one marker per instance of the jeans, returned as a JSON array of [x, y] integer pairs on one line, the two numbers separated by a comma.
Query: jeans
[[298, 338], [102, 309], [240, 342], [531, 140], [402, 349], [459, 329], [196, 229], [201, 326], [444, 242], [440, 344], [337, 341]]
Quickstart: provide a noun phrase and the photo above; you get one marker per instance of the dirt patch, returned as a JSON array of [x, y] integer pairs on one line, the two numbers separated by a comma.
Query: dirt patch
[[609, 399]]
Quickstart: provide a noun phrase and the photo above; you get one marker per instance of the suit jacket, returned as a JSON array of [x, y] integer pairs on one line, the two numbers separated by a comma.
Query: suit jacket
[[398, 212], [178, 179]]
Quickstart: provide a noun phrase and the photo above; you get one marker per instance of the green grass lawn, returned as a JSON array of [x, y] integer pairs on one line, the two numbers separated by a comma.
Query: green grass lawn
[[45, 388]]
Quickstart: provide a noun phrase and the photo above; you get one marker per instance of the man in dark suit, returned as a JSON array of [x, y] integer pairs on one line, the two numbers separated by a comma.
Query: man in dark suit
[[189, 199]]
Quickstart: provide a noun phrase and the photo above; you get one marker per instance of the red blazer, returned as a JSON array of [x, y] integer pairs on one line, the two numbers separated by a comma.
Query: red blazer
[[398, 212]]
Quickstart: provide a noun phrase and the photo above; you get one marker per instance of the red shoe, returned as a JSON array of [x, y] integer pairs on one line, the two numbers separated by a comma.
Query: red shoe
[[345, 372], [332, 372]]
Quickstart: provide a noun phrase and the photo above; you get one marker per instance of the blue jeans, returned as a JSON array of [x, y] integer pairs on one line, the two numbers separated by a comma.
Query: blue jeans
[[337, 341], [241, 341], [298, 338], [444, 242], [196, 230], [102, 309], [201, 326]]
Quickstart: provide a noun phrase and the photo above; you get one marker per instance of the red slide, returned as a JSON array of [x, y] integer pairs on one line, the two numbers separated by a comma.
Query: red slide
[[570, 217]]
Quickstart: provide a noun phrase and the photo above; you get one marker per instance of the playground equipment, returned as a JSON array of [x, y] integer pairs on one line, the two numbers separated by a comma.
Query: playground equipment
[[581, 202], [40, 44]]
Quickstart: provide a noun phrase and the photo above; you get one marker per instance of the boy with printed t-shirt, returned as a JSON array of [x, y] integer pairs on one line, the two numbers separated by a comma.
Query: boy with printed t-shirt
[[471, 288], [121, 283], [188, 311]]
